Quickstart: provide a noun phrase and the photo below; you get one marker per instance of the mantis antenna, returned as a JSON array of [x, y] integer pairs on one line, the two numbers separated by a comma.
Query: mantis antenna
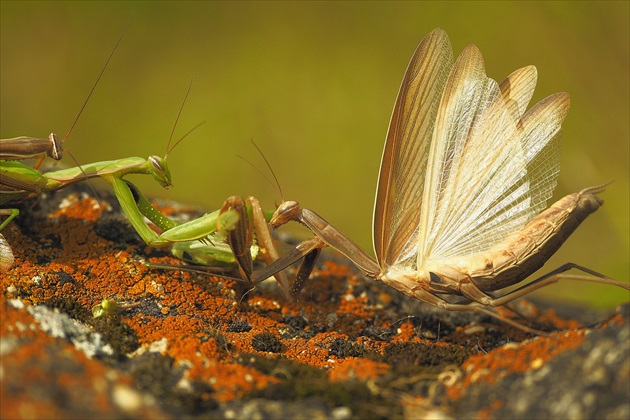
[[169, 149], [98, 79], [275, 186], [85, 104]]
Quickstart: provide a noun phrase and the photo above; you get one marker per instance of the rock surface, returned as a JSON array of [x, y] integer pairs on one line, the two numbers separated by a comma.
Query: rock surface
[[193, 345]]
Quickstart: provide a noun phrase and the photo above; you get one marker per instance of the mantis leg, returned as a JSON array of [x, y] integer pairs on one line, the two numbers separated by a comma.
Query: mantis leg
[[12, 213], [305, 271], [263, 234], [328, 235], [480, 300], [202, 251], [308, 249], [136, 207], [437, 301], [549, 278], [240, 240]]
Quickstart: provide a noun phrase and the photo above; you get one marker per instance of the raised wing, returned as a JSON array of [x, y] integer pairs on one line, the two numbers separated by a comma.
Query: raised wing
[[404, 162], [490, 168]]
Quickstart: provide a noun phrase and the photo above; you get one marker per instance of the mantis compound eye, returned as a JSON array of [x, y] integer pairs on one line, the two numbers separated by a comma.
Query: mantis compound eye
[[56, 149], [155, 162]]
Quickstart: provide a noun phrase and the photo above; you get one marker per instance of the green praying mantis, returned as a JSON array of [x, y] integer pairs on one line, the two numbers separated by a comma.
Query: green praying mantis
[[202, 240], [19, 182]]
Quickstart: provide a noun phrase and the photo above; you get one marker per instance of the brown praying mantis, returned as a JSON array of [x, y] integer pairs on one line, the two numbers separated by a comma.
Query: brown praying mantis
[[465, 175]]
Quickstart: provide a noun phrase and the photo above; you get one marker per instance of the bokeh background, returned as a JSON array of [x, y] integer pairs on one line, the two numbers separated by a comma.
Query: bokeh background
[[313, 84]]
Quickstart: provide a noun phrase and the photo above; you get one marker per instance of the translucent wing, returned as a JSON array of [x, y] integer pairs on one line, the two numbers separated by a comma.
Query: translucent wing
[[491, 168], [518, 88], [541, 139], [404, 161]]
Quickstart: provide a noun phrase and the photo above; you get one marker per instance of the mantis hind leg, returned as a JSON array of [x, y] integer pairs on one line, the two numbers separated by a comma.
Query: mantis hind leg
[[435, 300], [480, 300], [471, 291]]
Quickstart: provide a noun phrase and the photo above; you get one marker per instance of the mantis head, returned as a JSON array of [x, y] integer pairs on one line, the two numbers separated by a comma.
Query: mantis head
[[159, 170], [286, 212]]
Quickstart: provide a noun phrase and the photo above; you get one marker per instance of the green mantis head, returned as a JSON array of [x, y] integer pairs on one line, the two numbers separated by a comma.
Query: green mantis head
[[159, 169]]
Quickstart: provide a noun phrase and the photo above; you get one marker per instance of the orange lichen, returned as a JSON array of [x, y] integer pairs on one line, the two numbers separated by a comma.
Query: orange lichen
[[231, 381], [76, 207], [405, 333], [357, 368], [510, 358]]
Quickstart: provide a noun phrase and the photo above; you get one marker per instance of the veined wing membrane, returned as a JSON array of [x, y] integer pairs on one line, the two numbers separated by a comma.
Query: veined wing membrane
[[475, 160], [490, 220], [491, 171], [404, 161], [542, 126], [519, 87]]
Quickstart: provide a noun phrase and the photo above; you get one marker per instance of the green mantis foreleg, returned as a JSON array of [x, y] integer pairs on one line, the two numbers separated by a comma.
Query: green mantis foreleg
[[201, 240], [11, 213], [136, 207]]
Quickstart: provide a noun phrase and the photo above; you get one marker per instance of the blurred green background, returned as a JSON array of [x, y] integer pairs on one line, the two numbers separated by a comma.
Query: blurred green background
[[313, 84]]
